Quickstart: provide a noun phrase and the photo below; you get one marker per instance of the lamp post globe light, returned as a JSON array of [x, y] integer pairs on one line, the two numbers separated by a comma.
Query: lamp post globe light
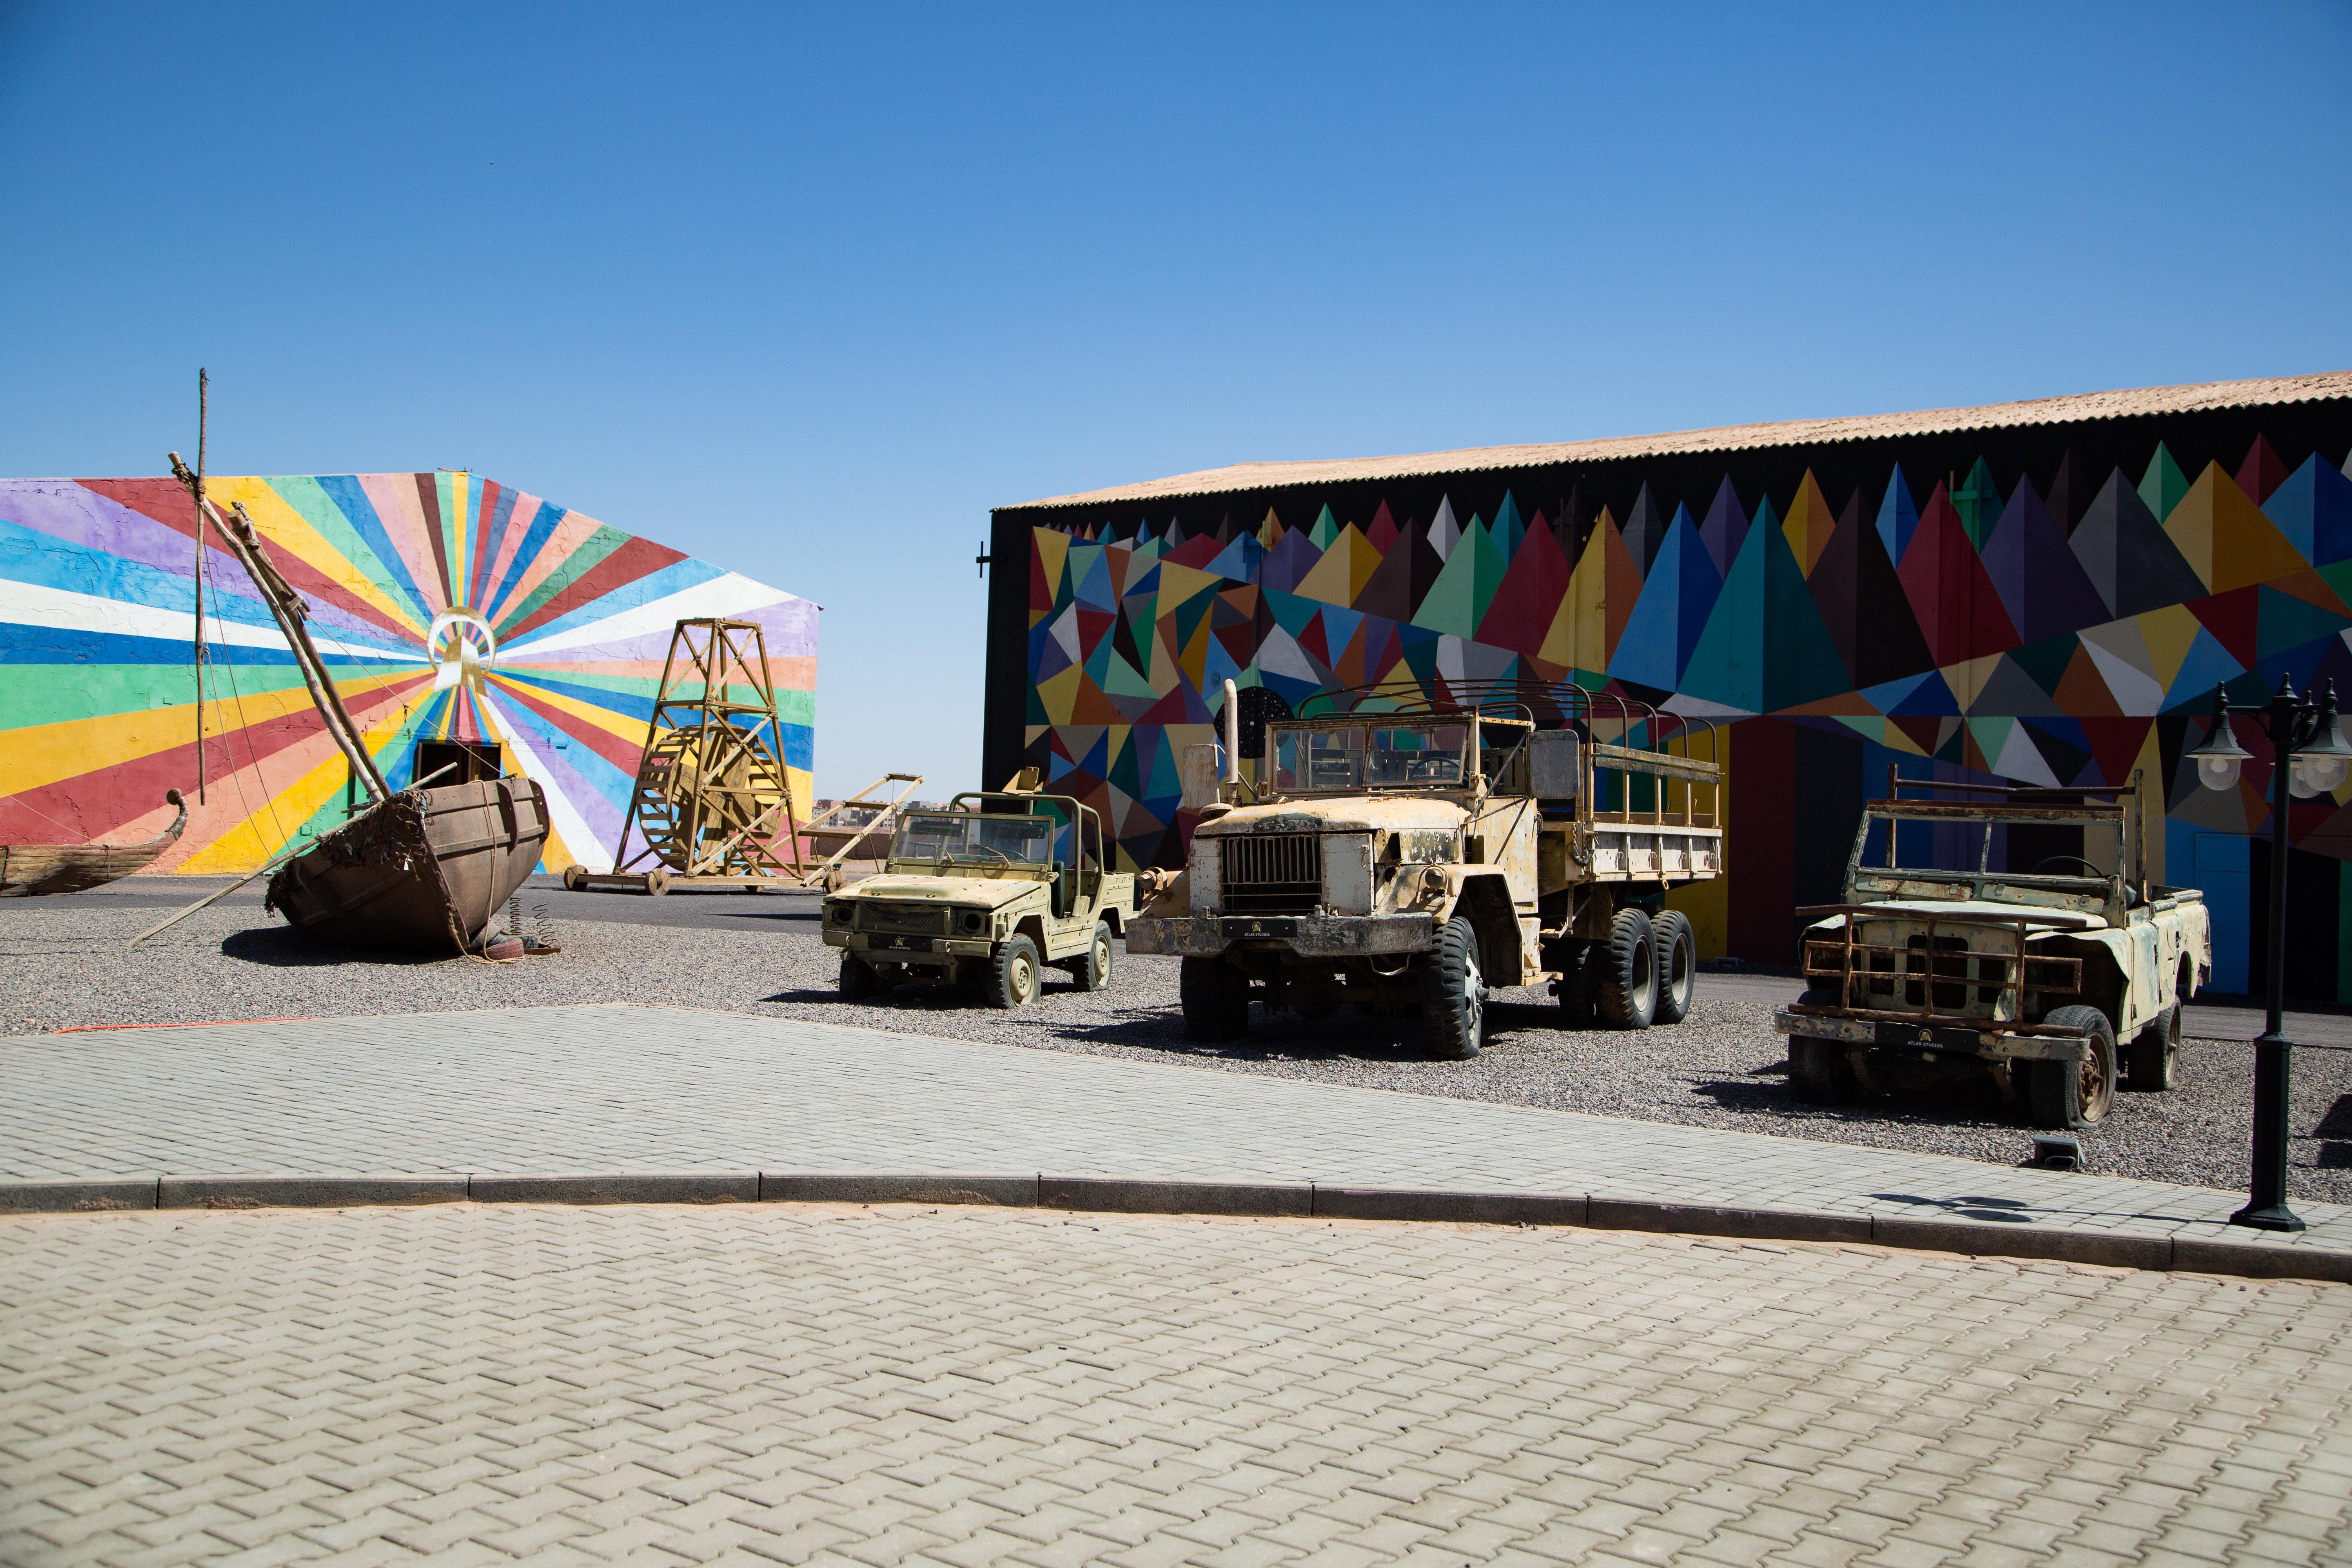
[[2305, 732]]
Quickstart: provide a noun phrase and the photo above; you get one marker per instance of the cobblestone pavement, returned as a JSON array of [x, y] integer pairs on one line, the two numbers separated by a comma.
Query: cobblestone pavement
[[901, 1386], [1725, 1067], [593, 1090]]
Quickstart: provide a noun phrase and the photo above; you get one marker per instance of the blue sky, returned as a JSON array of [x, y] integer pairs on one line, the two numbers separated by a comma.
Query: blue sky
[[806, 291]]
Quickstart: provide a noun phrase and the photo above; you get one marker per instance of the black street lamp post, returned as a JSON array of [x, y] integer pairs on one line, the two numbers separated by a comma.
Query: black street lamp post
[[2308, 757]]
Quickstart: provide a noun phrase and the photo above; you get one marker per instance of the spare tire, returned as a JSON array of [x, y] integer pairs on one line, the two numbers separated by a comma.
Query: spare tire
[[1677, 965]]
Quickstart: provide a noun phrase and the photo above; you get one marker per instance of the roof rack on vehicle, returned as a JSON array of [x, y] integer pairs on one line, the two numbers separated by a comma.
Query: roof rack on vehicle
[[1548, 704]]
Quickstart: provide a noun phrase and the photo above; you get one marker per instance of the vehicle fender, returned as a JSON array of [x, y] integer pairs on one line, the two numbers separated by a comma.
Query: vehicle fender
[[1033, 926], [1169, 897], [1486, 903], [2109, 968]]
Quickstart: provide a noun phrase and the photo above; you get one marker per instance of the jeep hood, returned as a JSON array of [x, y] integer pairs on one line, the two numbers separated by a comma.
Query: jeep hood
[[983, 892]]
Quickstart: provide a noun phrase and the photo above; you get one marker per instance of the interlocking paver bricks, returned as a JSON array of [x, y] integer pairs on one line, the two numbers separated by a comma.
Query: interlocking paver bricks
[[608, 1089]]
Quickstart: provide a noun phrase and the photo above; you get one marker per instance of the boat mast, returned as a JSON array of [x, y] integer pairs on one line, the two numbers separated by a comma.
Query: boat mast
[[287, 606], [202, 402]]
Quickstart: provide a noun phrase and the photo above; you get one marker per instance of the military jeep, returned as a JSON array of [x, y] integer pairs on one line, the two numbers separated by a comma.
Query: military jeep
[[2057, 981], [991, 891]]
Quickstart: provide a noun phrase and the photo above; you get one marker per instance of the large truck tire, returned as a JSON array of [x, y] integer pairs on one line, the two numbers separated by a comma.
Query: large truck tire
[[1819, 1072], [1012, 973], [1454, 992], [1216, 996], [1574, 987], [1678, 947], [1091, 969], [2061, 1095], [2152, 1061], [1628, 992]]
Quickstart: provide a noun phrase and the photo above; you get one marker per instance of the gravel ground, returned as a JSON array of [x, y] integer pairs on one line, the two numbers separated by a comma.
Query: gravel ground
[[1724, 1067]]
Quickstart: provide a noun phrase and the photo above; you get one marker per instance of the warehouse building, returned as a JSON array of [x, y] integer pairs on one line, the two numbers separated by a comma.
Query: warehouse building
[[2043, 593], [468, 624]]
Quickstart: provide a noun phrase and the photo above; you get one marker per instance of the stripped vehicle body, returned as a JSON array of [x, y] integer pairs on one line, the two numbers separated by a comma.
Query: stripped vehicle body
[[2033, 976], [992, 890], [1402, 858]]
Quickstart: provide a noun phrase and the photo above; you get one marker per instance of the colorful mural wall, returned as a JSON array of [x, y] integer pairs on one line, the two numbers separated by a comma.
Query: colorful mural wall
[[2051, 606], [447, 606]]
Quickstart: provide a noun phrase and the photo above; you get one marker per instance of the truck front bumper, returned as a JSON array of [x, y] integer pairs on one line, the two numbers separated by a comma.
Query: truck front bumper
[[1310, 936], [1931, 1039]]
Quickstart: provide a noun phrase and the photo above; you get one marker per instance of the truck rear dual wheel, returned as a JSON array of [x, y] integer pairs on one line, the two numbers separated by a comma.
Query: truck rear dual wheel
[[2061, 1095], [1215, 997], [1628, 991], [1677, 948]]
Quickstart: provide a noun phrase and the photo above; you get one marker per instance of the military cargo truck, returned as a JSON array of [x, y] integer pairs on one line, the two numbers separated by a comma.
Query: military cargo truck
[[2053, 980], [991, 891], [1402, 858]]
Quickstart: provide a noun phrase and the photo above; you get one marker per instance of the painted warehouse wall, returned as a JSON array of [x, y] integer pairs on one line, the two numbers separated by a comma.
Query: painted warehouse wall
[[2041, 593], [447, 606]]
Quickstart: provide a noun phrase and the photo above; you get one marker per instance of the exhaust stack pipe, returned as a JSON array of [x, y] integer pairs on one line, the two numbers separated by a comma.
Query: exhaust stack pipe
[[1233, 744]]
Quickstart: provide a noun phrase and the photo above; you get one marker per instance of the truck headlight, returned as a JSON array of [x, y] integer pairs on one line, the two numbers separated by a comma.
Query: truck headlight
[[837, 914], [971, 922]]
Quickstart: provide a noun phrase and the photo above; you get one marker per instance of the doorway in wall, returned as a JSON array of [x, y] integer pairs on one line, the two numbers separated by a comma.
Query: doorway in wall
[[468, 762]]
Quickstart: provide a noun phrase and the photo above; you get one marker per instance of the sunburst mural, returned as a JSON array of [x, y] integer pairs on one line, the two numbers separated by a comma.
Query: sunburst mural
[[447, 606]]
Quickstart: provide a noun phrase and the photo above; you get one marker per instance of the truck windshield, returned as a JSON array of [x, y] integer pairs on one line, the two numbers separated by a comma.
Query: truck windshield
[[1368, 756], [961, 835]]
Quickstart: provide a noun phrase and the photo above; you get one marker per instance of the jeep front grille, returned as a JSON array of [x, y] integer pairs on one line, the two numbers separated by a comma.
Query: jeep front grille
[[1271, 873], [918, 920]]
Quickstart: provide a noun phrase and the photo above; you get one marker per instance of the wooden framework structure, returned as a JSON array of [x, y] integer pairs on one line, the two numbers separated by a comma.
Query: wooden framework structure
[[712, 806]]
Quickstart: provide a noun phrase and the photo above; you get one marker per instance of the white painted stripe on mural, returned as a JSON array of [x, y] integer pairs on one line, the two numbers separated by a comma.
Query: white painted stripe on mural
[[728, 595], [33, 605], [568, 820]]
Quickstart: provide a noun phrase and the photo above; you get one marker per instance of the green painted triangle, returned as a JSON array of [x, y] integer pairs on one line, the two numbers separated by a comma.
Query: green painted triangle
[[1873, 730], [1325, 531], [2046, 661], [1726, 664], [2163, 484], [1451, 605], [1120, 678], [1291, 613], [1123, 770], [1978, 503], [1488, 565], [1800, 659], [2284, 622]]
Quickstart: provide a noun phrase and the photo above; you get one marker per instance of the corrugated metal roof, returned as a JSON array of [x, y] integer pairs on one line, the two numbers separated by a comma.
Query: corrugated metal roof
[[1734, 437]]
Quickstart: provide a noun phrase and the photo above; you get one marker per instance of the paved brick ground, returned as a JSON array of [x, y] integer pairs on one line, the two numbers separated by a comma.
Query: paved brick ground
[[902, 1386], [619, 1089]]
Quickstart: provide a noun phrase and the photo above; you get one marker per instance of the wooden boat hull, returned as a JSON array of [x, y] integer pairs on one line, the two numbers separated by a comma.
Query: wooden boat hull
[[425, 872], [31, 871]]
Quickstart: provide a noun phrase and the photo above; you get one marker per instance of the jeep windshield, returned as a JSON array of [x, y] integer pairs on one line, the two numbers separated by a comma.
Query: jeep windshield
[[1370, 756], [964, 835]]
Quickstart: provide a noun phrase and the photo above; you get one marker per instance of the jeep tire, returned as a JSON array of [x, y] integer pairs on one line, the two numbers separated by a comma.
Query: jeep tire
[[1678, 947], [858, 980], [1012, 973], [1454, 992], [1215, 997], [2061, 1095], [1820, 1071], [1628, 991], [1091, 969], [2152, 1060]]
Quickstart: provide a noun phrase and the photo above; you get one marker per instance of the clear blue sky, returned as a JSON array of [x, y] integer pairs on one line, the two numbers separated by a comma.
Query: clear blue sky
[[806, 291]]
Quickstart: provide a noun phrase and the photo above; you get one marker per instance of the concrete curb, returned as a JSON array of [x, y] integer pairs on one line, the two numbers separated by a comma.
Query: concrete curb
[[1109, 1194]]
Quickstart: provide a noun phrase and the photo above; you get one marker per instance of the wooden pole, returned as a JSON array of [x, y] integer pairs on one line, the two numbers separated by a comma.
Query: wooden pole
[[203, 408]]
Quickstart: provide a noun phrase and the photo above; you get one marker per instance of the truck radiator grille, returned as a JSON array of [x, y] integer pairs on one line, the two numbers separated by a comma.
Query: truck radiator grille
[[1271, 874], [917, 918]]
